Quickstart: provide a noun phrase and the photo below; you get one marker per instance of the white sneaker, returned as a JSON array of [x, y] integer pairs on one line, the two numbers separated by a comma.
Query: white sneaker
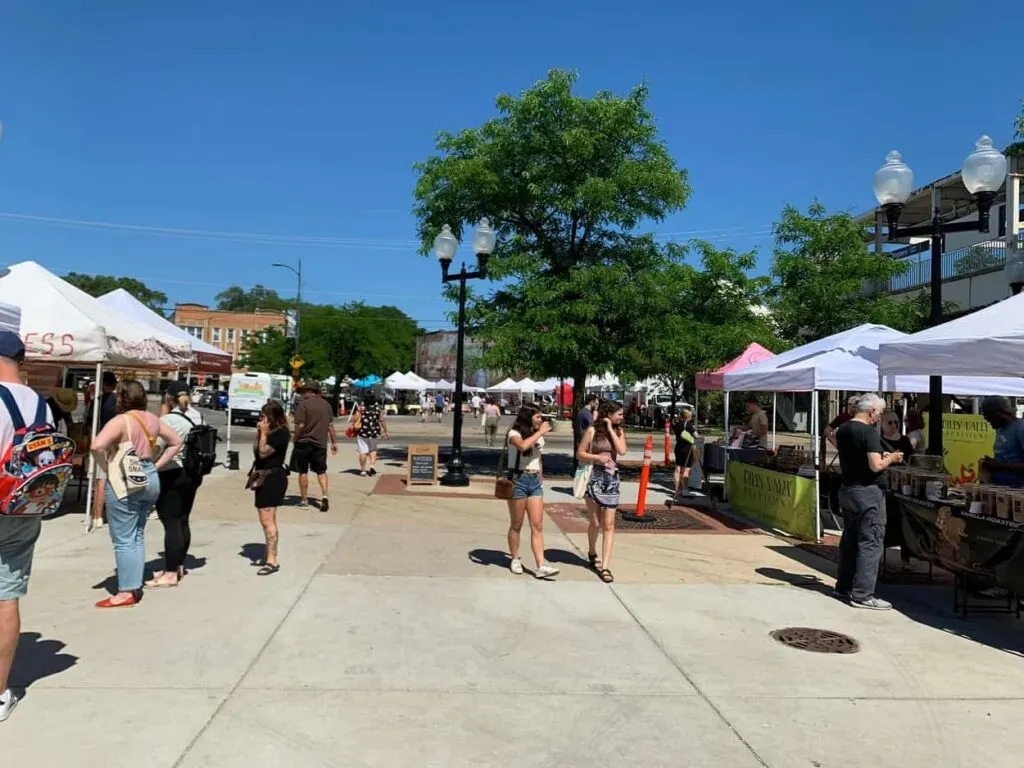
[[872, 604], [8, 701], [517, 566], [545, 571]]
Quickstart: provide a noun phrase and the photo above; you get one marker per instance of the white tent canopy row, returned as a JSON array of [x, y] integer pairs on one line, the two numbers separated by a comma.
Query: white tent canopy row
[[988, 341], [849, 361]]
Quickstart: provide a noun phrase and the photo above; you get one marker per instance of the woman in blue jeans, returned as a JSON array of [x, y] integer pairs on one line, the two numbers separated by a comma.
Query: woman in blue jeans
[[525, 443], [127, 513]]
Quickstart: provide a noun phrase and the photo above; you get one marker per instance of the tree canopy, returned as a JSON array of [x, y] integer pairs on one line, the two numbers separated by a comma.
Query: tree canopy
[[99, 285], [236, 299], [824, 277], [565, 181]]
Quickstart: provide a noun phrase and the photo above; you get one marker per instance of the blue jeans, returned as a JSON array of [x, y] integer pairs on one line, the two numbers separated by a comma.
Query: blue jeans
[[127, 522]]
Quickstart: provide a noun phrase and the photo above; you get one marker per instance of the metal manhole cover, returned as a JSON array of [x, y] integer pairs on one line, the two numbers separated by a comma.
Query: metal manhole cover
[[663, 520], [816, 640]]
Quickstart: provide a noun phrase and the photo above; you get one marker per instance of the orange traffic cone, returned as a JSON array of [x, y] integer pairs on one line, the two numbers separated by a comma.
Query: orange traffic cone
[[341, 408]]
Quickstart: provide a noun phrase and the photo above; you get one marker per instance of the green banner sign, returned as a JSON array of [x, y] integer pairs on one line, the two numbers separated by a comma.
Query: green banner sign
[[774, 499]]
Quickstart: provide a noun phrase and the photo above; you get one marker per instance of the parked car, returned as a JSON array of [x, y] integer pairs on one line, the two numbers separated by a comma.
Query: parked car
[[198, 393]]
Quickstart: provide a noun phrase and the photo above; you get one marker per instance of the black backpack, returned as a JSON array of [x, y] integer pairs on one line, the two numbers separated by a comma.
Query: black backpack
[[199, 448]]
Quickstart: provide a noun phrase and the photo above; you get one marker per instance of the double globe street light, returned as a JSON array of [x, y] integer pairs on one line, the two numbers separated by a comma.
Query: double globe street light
[[445, 246], [983, 173]]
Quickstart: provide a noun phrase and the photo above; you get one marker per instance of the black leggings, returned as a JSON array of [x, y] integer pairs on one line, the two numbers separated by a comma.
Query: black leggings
[[174, 506]]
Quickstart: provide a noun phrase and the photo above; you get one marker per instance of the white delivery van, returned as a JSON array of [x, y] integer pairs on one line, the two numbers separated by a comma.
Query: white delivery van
[[248, 393]]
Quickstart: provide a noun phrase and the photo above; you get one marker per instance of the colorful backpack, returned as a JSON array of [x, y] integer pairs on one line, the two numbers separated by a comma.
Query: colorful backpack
[[35, 470]]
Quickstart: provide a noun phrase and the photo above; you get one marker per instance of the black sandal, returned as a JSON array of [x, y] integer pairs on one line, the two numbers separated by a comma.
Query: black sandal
[[594, 560], [268, 569], [606, 576]]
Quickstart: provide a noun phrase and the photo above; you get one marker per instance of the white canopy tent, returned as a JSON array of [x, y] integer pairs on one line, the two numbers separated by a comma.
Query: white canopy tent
[[63, 325], [399, 381], [508, 385], [419, 381], [442, 385], [847, 361], [205, 357], [10, 318], [528, 386], [989, 341], [549, 385]]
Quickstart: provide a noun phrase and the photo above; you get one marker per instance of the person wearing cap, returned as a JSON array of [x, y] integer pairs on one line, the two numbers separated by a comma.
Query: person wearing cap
[[18, 535], [842, 418], [314, 426], [1007, 467], [177, 490]]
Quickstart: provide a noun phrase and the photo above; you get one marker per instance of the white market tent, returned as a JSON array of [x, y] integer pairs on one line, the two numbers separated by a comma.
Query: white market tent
[[548, 385], [399, 381], [988, 341], [205, 357], [10, 318], [848, 361], [528, 385], [508, 385], [63, 325], [418, 380], [442, 385]]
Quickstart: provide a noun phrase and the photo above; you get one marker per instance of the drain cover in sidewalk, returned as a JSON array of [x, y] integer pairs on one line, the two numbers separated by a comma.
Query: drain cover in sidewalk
[[816, 640], [675, 519]]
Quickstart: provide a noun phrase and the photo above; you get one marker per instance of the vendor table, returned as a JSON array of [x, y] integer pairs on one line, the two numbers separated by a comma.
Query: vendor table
[[979, 550]]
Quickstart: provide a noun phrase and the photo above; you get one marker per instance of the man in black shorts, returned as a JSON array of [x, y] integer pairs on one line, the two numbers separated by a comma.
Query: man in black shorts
[[314, 426]]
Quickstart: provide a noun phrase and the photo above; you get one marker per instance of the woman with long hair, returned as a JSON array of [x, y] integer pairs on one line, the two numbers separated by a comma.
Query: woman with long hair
[[127, 515], [686, 432], [492, 416], [525, 444], [177, 490], [269, 479], [601, 445]]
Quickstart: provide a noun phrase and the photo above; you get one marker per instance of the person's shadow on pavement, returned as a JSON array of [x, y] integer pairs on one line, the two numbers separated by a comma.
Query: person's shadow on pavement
[[804, 581], [36, 658]]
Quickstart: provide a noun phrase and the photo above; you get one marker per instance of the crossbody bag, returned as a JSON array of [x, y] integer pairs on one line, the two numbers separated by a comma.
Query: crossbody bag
[[505, 485]]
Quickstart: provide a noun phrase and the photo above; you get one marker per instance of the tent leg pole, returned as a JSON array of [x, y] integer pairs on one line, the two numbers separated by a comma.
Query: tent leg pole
[[817, 473], [97, 404], [725, 480], [775, 409]]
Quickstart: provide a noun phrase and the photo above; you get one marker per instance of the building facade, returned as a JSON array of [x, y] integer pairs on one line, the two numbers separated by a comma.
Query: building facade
[[229, 331]]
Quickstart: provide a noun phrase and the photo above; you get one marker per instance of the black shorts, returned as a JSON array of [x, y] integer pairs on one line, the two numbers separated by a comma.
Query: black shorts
[[309, 456], [272, 491]]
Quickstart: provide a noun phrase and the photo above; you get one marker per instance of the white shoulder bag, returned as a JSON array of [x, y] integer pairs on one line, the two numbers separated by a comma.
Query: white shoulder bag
[[124, 470]]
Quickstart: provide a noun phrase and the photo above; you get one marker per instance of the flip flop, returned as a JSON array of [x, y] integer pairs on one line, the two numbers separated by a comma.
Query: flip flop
[[268, 570]]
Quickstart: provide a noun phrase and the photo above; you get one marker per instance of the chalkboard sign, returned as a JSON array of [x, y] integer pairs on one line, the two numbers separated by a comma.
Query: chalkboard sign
[[422, 464]]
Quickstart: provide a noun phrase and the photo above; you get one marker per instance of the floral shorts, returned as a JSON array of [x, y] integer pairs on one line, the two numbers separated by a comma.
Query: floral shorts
[[605, 488]]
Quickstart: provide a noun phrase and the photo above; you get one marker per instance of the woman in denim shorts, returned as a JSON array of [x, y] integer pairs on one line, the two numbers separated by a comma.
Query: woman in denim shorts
[[525, 444]]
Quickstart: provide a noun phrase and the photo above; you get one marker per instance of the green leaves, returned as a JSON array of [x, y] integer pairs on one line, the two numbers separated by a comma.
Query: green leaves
[[564, 180], [236, 299], [98, 285]]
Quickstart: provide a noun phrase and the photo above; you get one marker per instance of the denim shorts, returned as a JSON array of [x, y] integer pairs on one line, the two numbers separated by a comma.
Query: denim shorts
[[18, 536], [527, 485]]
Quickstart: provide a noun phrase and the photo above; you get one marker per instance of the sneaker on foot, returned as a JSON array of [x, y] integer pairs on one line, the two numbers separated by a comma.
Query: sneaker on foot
[[872, 604], [545, 571], [303, 502], [324, 504], [8, 701], [517, 566]]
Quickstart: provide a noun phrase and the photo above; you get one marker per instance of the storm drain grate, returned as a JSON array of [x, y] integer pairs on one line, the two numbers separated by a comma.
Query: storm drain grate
[[816, 640]]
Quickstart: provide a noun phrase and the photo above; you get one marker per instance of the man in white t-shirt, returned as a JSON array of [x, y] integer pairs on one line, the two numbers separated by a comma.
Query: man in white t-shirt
[[18, 535], [476, 401]]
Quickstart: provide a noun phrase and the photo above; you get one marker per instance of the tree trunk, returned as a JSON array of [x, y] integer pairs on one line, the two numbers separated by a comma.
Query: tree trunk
[[579, 388], [336, 397]]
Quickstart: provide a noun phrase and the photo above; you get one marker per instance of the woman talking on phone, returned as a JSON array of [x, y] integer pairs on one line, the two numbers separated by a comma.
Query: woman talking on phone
[[268, 477], [525, 444], [600, 446]]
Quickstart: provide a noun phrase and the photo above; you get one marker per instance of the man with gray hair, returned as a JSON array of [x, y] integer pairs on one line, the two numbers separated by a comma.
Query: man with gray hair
[[1007, 468], [862, 501]]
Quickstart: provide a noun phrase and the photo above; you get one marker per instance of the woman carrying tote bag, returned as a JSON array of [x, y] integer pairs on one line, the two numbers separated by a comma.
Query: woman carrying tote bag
[[124, 448]]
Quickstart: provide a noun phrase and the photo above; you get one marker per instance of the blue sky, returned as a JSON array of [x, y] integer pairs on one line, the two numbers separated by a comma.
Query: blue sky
[[304, 119]]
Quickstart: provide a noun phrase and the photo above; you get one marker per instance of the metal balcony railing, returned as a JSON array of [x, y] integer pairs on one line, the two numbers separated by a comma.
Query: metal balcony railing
[[963, 262]]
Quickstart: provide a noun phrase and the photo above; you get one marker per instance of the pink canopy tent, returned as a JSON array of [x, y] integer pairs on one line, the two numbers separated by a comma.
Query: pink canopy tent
[[712, 380]]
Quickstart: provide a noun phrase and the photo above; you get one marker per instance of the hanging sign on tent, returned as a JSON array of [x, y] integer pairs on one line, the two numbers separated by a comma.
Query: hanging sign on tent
[[774, 499], [966, 439]]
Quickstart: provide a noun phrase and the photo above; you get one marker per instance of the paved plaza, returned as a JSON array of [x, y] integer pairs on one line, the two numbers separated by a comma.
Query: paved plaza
[[395, 636]]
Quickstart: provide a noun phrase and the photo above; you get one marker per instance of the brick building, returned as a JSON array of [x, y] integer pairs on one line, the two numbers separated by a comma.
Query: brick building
[[225, 330]]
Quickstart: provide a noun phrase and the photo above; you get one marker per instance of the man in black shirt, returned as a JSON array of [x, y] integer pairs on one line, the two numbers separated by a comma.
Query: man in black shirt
[[583, 421], [862, 461]]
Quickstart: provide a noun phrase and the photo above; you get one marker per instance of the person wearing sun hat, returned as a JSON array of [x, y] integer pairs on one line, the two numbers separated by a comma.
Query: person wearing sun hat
[[63, 403]]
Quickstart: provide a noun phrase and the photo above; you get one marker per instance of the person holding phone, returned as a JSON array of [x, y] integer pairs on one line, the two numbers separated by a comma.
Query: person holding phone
[[525, 444], [268, 478], [601, 445]]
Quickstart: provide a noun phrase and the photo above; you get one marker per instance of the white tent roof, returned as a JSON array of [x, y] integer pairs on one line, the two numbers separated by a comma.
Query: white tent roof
[[443, 385], [989, 341], [399, 381], [527, 385], [63, 324], [128, 305], [600, 383], [847, 361], [418, 380], [548, 385], [508, 385], [10, 318]]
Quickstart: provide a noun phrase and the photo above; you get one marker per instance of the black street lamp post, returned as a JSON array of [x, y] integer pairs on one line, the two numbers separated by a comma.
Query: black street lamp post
[[445, 245], [298, 298], [983, 173]]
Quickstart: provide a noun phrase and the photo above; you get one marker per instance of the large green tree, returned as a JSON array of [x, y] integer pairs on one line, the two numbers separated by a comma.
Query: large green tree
[[237, 299], [824, 275], [565, 180], [709, 308], [98, 285]]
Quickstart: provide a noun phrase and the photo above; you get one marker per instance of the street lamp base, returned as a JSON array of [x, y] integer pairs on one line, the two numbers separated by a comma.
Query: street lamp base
[[455, 475]]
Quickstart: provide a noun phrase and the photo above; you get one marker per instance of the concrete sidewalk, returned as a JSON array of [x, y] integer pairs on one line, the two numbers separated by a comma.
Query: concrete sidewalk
[[395, 636]]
